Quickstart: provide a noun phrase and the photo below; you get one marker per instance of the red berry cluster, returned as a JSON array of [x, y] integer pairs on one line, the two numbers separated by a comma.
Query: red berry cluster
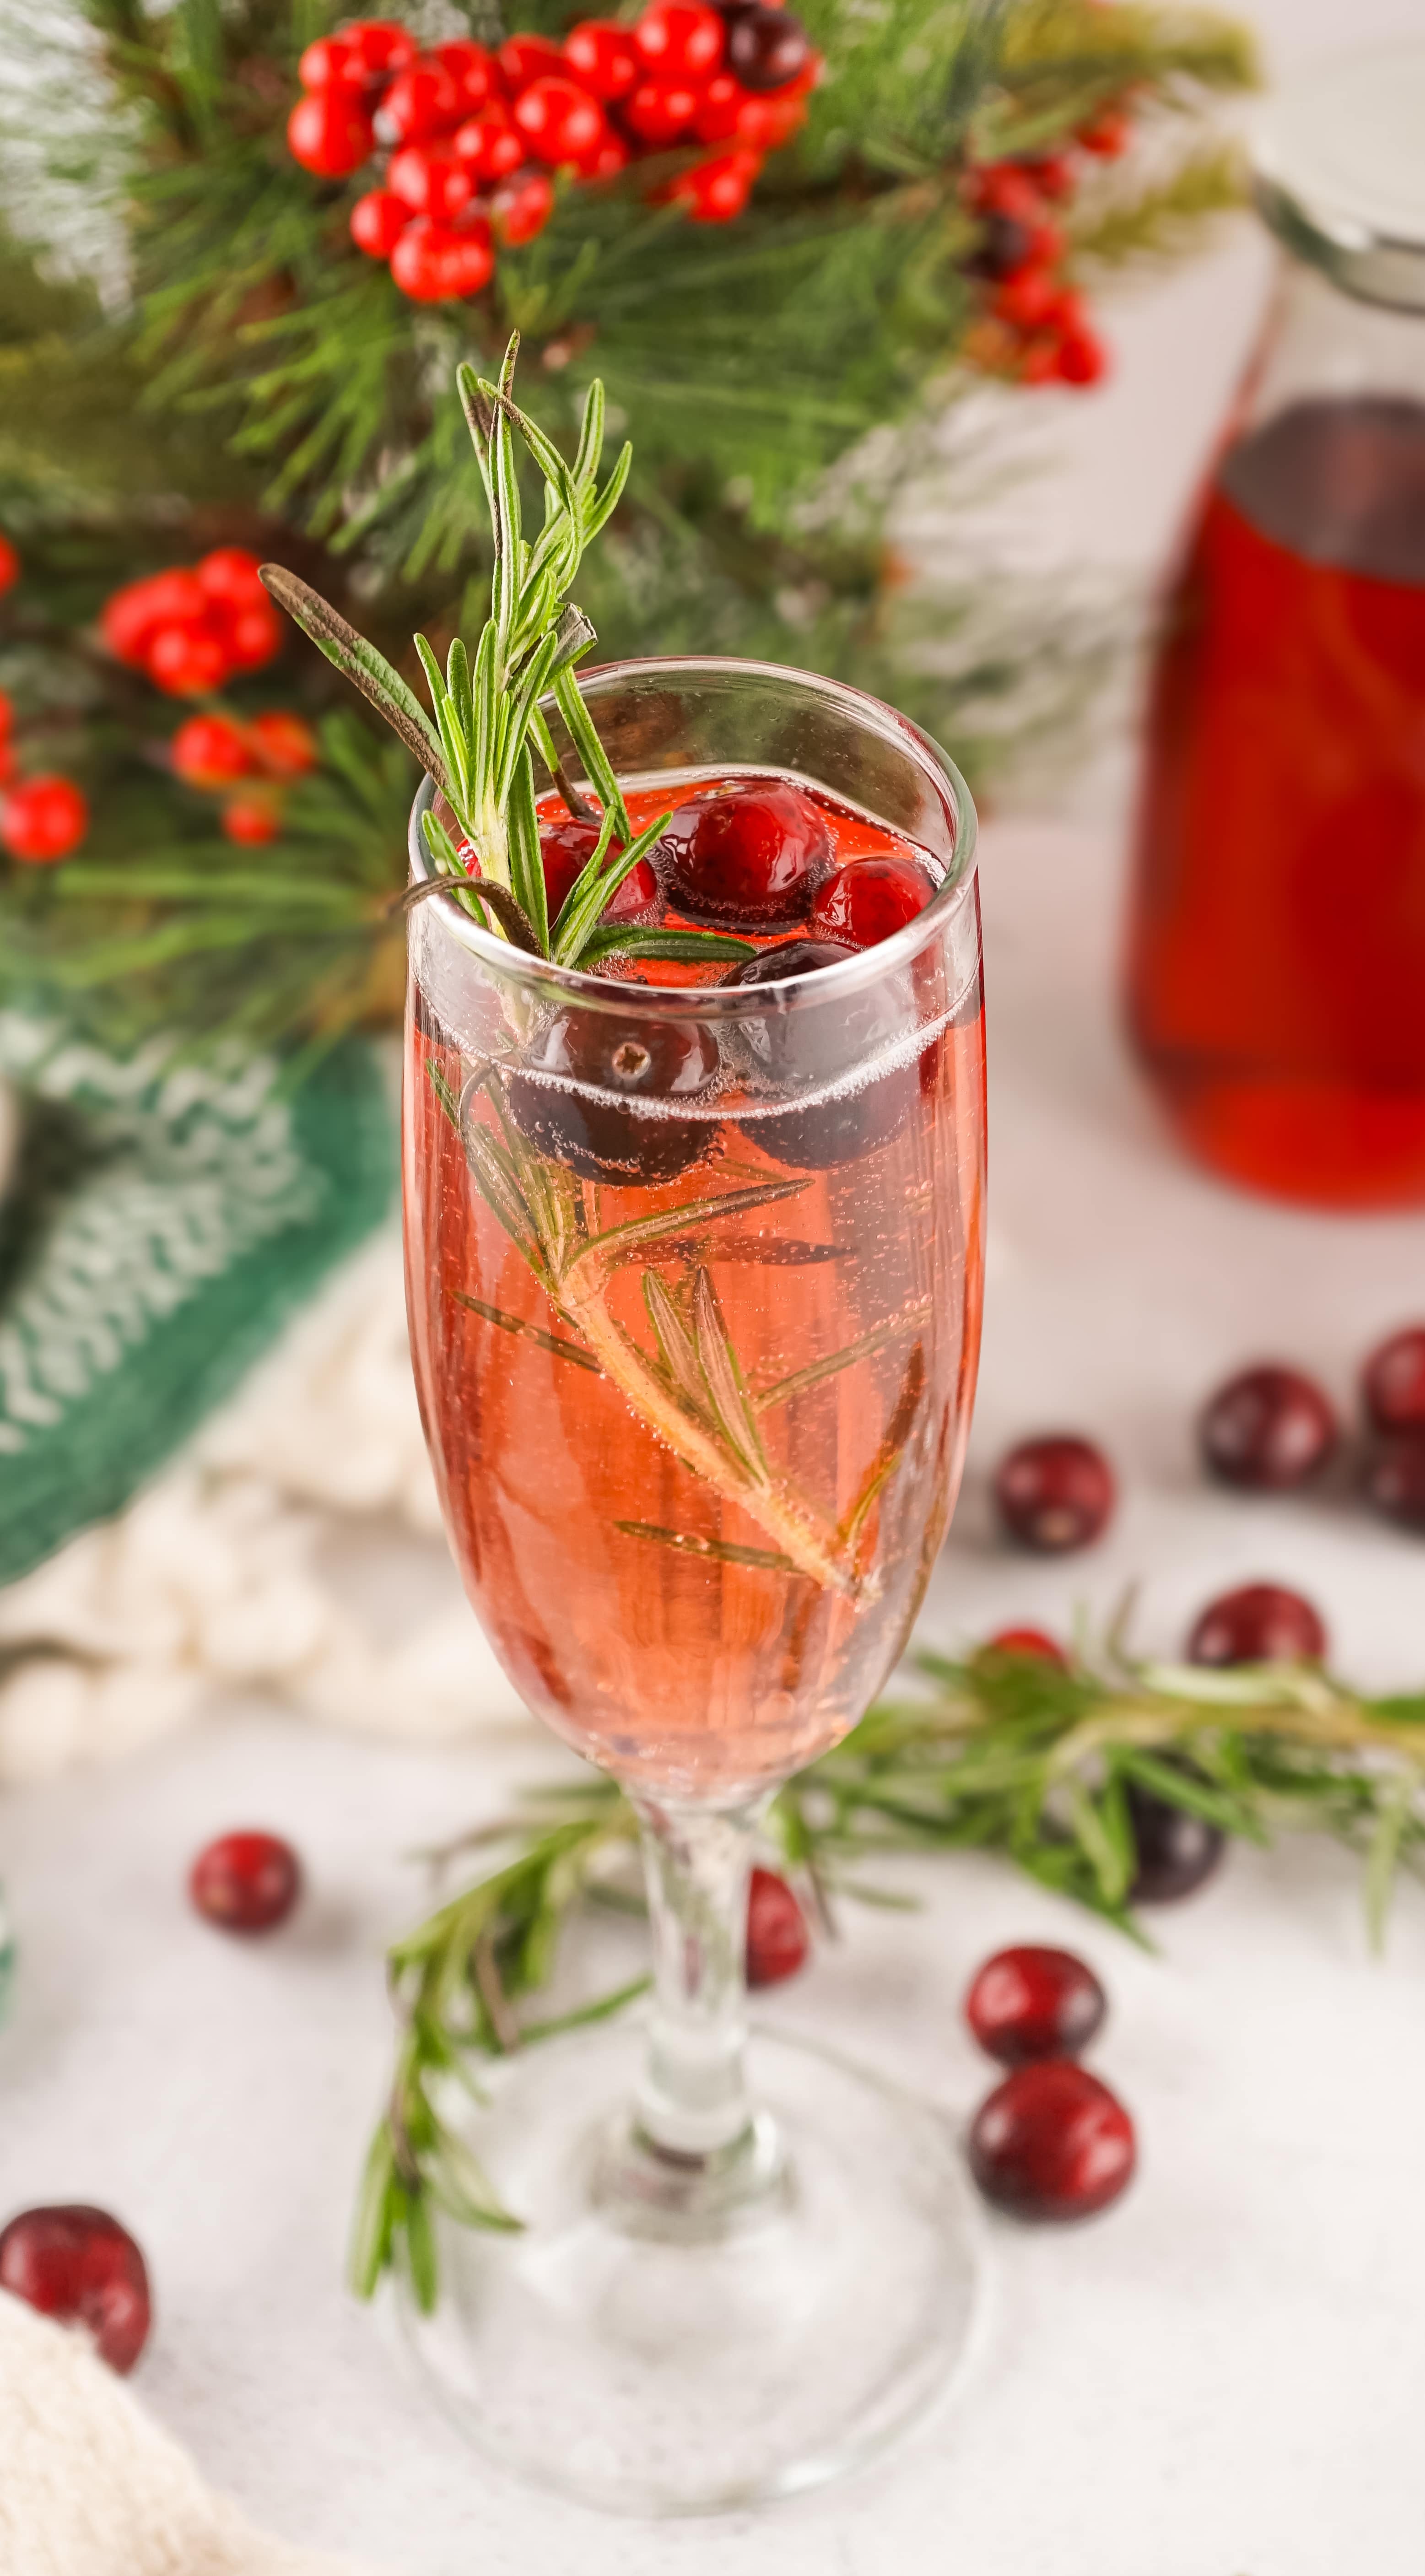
[[45, 816], [1033, 326], [1051, 2141], [195, 626], [473, 136], [258, 758]]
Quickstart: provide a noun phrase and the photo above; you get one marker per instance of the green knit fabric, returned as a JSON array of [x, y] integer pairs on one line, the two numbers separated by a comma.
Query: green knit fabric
[[168, 1213]]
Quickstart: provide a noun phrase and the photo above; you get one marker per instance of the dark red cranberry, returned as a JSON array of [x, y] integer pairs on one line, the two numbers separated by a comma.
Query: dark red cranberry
[[1052, 2142], [1394, 1480], [566, 848], [1176, 1850], [1260, 1623], [1394, 1382], [869, 899], [1029, 2003], [246, 1882], [1035, 1644], [749, 857], [1267, 1429], [777, 1940], [766, 48], [1055, 1493], [626, 1062], [816, 1044], [80, 2266]]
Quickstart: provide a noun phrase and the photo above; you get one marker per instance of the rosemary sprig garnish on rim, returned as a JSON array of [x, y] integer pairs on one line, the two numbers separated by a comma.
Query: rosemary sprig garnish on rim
[[478, 748], [1009, 1754]]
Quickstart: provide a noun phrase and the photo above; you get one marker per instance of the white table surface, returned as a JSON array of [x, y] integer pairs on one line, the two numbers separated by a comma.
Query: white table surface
[[1222, 2377]]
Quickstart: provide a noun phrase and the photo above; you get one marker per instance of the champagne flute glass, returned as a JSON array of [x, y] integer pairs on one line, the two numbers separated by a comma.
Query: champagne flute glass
[[694, 1284]]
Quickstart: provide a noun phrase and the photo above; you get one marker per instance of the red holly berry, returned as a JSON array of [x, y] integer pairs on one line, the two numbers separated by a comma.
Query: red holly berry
[[1003, 188], [210, 751], [566, 846], [1034, 1643], [232, 578], [1055, 1493], [1109, 135], [680, 37], [720, 102], [246, 1882], [285, 744], [472, 69], [377, 222], [767, 48], [252, 635], [430, 179], [81, 2267], [7, 717], [1052, 173], [489, 145], [434, 264], [330, 131], [560, 122], [612, 156], [423, 102], [43, 819], [9, 566], [660, 112], [777, 1939], [381, 46], [252, 820], [186, 661], [1051, 2142], [1267, 1429], [523, 59], [1259, 1623], [602, 56], [1175, 1850], [1081, 358], [1030, 2003], [1029, 300], [716, 191], [328, 59], [1394, 1481], [764, 124], [521, 207], [869, 900], [1394, 1382], [131, 617], [748, 857]]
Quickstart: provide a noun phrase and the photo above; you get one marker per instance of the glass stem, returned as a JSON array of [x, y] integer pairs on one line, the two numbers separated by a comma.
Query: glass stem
[[693, 2100]]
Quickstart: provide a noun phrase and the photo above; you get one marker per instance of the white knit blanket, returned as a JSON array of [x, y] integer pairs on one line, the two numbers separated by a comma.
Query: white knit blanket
[[226, 1572], [90, 2487]]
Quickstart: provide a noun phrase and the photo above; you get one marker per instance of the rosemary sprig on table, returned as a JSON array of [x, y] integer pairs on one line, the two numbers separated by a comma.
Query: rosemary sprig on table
[[488, 722], [1007, 1754]]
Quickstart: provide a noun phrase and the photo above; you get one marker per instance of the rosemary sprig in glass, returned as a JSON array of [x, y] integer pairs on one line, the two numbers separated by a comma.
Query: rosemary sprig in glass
[[1006, 1753], [479, 744]]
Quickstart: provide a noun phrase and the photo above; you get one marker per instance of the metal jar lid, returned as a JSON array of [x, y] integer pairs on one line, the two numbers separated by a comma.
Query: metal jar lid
[[1339, 164]]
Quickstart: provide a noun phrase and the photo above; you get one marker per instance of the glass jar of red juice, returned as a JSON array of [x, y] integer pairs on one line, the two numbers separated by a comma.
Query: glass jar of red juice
[[1276, 971]]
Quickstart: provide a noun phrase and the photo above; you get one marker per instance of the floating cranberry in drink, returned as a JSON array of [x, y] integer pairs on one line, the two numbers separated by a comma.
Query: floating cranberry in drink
[[1268, 1429], [81, 2267], [748, 857], [1055, 1493], [1033, 2002], [870, 900], [844, 1123], [566, 845], [1259, 1623], [1052, 2142]]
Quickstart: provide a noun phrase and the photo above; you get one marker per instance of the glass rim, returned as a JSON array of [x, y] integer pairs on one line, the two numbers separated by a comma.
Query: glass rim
[[848, 975]]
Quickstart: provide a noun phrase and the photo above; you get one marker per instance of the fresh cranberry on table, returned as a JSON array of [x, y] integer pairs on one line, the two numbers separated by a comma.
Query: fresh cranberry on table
[[1267, 1429], [1055, 1493], [246, 1882], [777, 1939], [1259, 1623], [1034, 1644], [81, 2267], [748, 857], [1030, 2002], [625, 1061], [1052, 2142], [1394, 1382], [566, 847], [1175, 1851], [813, 1045], [869, 900], [1394, 1481]]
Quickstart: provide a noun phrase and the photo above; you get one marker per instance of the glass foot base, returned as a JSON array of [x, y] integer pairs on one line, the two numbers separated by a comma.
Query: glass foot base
[[665, 2338]]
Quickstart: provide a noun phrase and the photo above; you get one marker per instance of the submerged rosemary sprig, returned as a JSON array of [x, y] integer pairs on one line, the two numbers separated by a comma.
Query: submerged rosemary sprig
[[1009, 1754], [488, 722]]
